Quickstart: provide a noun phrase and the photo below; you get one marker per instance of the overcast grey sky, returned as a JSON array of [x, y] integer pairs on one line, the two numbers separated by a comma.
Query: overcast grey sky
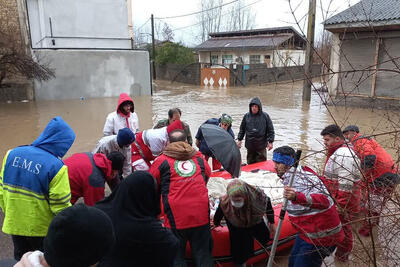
[[269, 13]]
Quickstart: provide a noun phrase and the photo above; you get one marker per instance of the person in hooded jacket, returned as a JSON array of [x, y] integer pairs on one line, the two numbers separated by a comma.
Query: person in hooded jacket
[[259, 131], [225, 122], [124, 117], [182, 175], [141, 240], [34, 186], [88, 173]]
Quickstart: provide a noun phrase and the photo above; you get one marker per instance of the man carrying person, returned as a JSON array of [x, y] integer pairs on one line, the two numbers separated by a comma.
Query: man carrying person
[[379, 175], [124, 117], [342, 179], [225, 122], [34, 186], [121, 143], [259, 131], [173, 115], [182, 175], [149, 144], [311, 210], [88, 173]]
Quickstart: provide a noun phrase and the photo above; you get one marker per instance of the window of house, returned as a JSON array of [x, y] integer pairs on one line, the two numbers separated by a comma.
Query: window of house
[[254, 59], [227, 59], [214, 59]]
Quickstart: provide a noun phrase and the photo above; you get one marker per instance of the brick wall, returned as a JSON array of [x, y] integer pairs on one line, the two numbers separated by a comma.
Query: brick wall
[[260, 73], [179, 73], [256, 74]]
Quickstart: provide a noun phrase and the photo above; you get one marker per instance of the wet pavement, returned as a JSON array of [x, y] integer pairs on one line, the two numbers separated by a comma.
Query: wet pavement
[[296, 124]]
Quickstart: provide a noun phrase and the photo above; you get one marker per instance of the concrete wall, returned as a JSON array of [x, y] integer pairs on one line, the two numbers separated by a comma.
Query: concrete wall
[[99, 73], [73, 19]]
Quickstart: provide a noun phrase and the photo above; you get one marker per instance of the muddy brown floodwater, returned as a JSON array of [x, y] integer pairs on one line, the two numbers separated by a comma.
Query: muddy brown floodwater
[[296, 124]]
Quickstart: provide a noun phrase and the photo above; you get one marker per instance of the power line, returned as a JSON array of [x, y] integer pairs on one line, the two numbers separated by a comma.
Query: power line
[[198, 12], [230, 12], [143, 25]]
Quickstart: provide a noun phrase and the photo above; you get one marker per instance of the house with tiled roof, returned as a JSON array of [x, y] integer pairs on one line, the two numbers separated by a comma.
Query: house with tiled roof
[[275, 47], [365, 54]]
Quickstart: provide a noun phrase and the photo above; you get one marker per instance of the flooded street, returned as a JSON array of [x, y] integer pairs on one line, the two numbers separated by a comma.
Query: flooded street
[[296, 124]]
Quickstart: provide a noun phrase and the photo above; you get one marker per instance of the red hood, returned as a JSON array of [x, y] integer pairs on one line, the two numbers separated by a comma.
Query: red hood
[[122, 98], [103, 163]]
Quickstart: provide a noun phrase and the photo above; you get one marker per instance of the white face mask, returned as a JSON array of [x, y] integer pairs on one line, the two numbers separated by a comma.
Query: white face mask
[[237, 204]]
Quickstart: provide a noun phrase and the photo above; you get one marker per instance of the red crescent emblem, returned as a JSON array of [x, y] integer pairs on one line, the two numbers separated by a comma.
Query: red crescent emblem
[[183, 166]]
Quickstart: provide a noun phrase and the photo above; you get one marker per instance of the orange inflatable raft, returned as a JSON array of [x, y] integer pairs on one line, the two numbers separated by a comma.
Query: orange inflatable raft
[[220, 235]]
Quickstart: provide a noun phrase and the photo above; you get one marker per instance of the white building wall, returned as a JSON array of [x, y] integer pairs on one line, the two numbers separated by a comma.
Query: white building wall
[[286, 58], [79, 23], [335, 65], [279, 58]]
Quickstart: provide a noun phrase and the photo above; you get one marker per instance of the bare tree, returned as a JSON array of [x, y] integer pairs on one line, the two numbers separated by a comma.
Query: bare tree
[[14, 60], [216, 18], [167, 33]]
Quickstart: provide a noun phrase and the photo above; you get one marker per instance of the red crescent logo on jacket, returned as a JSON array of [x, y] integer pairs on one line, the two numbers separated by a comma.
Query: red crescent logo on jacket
[[185, 168]]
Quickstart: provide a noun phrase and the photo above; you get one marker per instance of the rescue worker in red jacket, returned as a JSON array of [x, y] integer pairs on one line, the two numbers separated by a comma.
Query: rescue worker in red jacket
[[149, 144], [342, 179], [88, 173], [182, 175], [379, 175], [311, 210]]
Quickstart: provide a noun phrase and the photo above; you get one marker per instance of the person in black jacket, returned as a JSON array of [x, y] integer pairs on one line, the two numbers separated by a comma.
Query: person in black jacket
[[259, 131], [141, 240]]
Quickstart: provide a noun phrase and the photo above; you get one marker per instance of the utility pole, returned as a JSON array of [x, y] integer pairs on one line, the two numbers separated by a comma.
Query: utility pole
[[309, 52], [154, 48]]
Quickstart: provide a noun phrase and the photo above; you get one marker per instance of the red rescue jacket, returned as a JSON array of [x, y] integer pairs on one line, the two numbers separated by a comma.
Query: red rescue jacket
[[183, 187], [314, 213], [375, 161], [87, 176]]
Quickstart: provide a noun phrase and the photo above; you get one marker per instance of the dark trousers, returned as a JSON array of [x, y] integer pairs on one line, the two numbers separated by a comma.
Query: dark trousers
[[242, 240], [23, 244], [304, 254], [201, 245], [256, 156]]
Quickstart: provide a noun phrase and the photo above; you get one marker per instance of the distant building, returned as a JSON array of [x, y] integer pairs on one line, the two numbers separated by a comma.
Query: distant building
[[275, 47], [365, 51]]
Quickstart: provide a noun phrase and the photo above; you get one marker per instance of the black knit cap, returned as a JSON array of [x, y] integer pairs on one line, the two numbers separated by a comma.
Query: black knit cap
[[78, 236], [353, 128]]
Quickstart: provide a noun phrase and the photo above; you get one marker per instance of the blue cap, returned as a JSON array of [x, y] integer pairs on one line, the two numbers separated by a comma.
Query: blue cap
[[125, 137]]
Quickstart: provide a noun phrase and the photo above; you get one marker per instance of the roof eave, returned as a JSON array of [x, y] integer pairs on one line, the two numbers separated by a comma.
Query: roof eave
[[348, 26], [212, 49]]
